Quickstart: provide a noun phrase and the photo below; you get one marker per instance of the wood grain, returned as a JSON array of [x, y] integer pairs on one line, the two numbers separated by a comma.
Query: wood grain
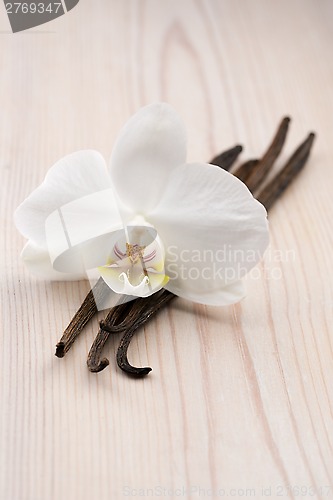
[[240, 398]]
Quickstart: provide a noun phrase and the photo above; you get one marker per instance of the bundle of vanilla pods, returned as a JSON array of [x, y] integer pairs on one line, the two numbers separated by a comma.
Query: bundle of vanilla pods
[[127, 317]]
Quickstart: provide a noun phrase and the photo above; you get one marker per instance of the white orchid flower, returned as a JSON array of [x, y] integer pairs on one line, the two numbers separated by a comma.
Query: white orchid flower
[[152, 221]]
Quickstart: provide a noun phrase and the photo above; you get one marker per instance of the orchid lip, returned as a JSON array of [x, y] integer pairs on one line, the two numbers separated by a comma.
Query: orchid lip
[[135, 265]]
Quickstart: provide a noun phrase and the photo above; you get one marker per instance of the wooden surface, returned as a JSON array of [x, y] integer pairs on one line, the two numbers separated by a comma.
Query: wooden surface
[[240, 398]]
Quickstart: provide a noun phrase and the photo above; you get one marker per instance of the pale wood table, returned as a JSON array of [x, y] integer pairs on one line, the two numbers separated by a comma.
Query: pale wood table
[[240, 398]]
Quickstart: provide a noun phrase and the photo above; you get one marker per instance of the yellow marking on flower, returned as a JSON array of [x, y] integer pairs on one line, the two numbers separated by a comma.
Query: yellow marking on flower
[[159, 266]]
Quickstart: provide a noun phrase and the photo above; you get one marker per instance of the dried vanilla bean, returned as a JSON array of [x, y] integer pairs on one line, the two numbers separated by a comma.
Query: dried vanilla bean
[[142, 312], [117, 319], [244, 170], [226, 159], [87, 310], [254, 174], [282, 180]]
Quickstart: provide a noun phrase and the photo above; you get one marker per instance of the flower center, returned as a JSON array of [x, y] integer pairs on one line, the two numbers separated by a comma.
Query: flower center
[[136, 262], [134, 252]]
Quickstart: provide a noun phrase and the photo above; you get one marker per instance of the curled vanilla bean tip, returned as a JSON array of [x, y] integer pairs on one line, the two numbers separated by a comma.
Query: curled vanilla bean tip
[[226, 159], [122, 359], [103, 325], [104, 362], [94, 361], [136, 372]]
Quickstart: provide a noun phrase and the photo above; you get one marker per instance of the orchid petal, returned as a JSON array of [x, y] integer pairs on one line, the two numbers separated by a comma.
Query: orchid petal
[[72, 177], [81, 234], [151, 144], [37, 261], [212, 228]]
